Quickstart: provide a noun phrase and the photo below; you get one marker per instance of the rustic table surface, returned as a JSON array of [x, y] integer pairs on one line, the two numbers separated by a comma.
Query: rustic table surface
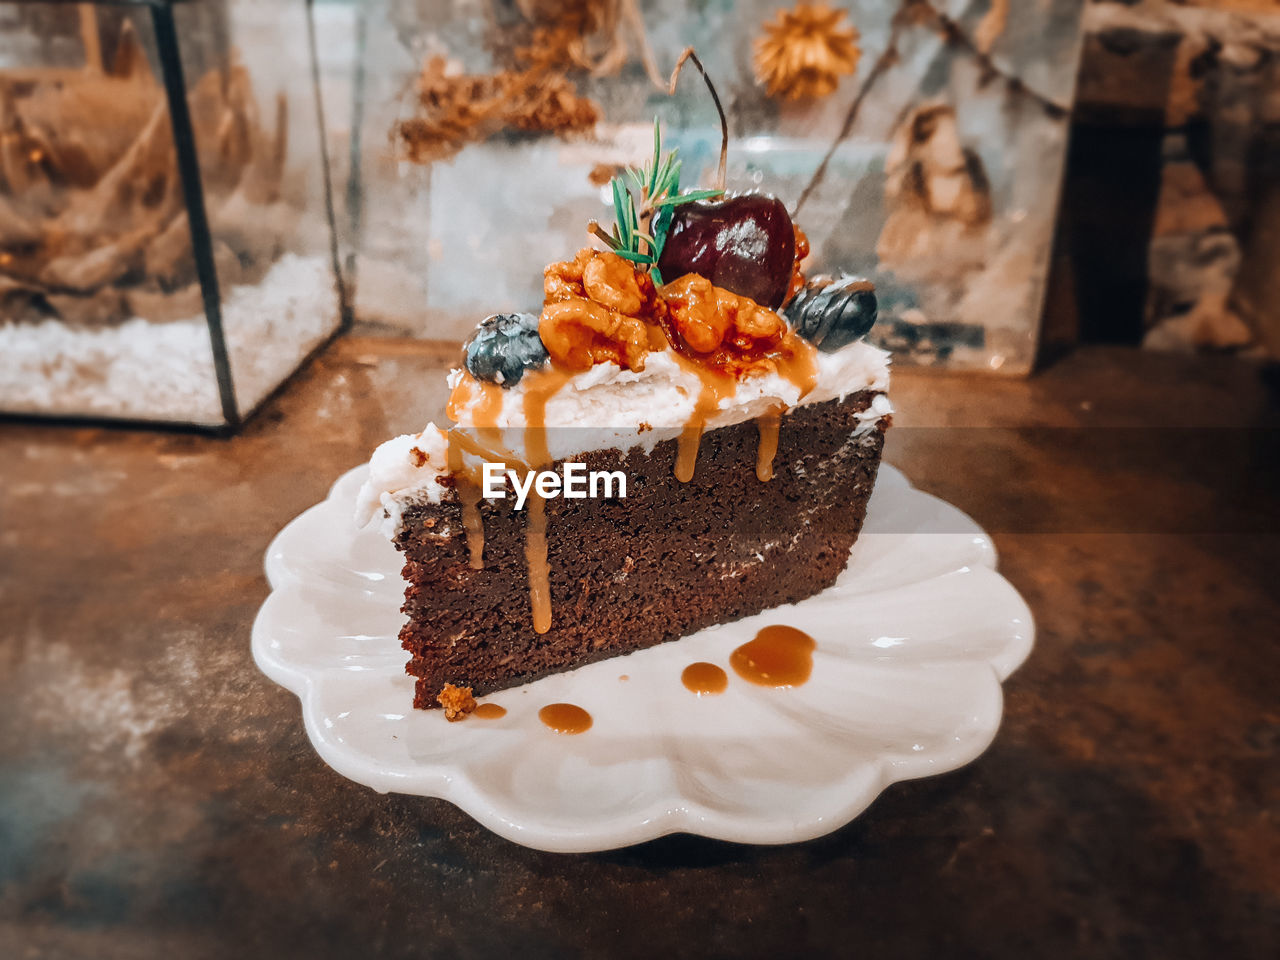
[[159, 798]]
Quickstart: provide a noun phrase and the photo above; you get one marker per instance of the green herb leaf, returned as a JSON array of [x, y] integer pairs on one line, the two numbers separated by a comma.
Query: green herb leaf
[[668, 178], [661, 224], [637, 178], [689, 197], [634, 257], [656, 188]]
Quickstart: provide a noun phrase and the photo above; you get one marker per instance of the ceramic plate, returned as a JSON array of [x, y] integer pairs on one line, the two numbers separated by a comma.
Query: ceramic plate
[[912, 644]]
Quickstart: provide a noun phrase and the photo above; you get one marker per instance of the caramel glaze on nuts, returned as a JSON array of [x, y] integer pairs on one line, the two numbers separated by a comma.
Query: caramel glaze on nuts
[[797, 273], [599, 308], [718, 328]]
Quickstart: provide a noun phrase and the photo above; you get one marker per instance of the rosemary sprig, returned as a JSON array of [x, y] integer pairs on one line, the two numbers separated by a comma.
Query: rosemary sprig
[[643, 201]]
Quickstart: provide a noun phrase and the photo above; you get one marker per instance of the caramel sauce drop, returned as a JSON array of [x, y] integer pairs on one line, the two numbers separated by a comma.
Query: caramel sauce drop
[[779, 656], [489, 711], [565, 718], [768, 425], [704, 679]]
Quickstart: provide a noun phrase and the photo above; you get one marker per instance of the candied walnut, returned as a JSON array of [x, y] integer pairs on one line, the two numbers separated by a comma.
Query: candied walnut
[[718, 327], [578, 334], [611, 282], [599, 309], [457, 702], [563, 279]]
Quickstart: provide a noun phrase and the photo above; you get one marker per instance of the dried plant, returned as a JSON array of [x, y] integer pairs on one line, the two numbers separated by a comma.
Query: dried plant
[[92, 223], [456, 109], [803, 53], [533, 94]]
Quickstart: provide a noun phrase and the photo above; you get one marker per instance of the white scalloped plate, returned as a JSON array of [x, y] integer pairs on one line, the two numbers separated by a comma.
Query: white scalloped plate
[[912, 644]]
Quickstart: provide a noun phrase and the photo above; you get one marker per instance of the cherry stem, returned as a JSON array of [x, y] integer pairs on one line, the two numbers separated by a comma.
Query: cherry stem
[[688, 54]]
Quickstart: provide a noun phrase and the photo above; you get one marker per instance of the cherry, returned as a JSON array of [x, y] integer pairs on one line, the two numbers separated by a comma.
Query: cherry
[[745, 244]]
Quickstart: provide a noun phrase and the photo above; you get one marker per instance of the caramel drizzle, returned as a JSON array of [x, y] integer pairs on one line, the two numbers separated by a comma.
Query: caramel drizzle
[[798, 363], [541, 387], [687, 451], [485, 416], [715, 387], [535, 555], [768, 424], [487, 444], [460, 394]]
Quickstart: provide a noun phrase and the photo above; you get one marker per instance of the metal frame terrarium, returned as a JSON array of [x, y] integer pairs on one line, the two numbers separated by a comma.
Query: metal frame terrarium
[[165, 256]]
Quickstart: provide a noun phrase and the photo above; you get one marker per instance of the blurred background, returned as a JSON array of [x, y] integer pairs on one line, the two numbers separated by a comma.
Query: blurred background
[[1016, 178]]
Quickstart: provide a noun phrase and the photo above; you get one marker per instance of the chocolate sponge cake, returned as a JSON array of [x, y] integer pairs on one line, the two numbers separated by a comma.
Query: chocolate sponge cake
[[725, 409], [627, 573]]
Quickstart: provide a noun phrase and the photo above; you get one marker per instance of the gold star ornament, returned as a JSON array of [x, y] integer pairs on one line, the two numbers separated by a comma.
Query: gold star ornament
[[803, 53]]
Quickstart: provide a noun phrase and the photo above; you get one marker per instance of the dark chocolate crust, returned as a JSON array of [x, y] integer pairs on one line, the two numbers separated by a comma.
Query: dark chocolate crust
[[630, 573]]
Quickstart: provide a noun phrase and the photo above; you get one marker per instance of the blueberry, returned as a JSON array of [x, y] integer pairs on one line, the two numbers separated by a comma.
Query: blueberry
[[504, 346], [831, 313]]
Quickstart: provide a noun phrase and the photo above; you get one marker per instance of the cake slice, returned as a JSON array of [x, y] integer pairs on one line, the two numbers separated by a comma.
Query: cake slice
[[729, 424]]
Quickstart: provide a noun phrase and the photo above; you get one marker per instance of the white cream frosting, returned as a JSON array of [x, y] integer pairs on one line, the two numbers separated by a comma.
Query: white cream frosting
[[410, 464], [609, 407]]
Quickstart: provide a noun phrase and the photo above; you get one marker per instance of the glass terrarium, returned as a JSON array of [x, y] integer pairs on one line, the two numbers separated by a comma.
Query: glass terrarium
[[919, 144], [167, 248]]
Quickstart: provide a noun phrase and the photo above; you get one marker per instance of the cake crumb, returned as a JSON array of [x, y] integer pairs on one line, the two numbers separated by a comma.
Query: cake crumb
[[457, 702], [419, 458]]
